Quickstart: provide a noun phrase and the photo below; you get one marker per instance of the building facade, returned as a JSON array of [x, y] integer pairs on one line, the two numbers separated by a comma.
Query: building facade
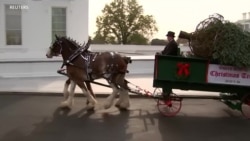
[[27, 27], [245, 21]]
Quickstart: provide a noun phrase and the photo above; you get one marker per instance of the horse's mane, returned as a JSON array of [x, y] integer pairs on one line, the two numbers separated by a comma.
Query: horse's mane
[[78, 45]]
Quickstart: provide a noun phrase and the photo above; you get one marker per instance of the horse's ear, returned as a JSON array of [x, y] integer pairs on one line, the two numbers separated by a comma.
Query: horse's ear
[[57, 38]]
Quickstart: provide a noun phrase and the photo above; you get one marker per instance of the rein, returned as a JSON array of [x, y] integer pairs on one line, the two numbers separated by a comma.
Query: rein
[[71, 58]]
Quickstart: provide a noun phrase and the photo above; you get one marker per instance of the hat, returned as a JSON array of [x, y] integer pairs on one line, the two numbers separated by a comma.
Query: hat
[[170, 33]]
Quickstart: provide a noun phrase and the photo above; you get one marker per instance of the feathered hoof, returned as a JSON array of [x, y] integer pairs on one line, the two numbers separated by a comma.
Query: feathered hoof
[[123, 104], [107, 106], [121, 108], [65, 105], [90, 107]]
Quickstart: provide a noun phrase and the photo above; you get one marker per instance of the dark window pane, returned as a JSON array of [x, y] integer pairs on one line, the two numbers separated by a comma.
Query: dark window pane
[[58, 22], [13, 22], [13, 26], [59, 11], [13, 37]]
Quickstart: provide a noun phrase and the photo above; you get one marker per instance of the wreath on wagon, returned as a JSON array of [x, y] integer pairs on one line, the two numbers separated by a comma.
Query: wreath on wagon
[[220, 41]]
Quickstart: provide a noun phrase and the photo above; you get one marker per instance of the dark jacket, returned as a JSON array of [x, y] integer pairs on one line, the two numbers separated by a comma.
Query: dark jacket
[[171, 48]]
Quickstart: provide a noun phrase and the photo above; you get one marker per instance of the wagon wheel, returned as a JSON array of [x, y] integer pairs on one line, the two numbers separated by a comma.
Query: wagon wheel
[[171, 106], [245, 106]]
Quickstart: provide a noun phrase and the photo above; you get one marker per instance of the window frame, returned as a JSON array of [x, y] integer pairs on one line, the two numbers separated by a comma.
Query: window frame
[[64, 22], [7, 29]]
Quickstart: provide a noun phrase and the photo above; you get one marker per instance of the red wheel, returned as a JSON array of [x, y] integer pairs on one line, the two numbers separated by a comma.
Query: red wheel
[[171, 106], [245, 106]]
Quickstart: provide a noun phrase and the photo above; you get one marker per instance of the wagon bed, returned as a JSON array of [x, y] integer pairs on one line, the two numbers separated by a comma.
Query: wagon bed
[[176, 72]]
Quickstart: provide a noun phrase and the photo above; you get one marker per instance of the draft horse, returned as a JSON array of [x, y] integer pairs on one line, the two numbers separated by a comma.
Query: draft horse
[[67, 82], [87, 66]]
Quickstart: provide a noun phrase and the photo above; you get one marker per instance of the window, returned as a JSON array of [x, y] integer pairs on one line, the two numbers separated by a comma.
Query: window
[[13, 25], [58, 22]]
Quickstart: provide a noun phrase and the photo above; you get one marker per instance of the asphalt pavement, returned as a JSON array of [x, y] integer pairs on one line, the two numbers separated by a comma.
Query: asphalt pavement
[[38, 118], [29, 109]]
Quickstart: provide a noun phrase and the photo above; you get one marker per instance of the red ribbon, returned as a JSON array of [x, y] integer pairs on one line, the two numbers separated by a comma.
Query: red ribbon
[[183, 69]]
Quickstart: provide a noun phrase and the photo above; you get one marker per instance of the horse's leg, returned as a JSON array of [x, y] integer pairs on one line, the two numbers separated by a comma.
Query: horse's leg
[[65, 89], [123, 101], [110, 99], [90, 90], [90, 98], [69, 102]]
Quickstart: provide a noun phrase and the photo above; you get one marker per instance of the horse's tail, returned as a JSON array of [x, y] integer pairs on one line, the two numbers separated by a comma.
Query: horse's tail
[[127, 59]]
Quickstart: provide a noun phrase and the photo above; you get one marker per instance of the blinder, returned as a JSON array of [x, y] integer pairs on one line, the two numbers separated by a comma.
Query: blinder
[[59, 43]]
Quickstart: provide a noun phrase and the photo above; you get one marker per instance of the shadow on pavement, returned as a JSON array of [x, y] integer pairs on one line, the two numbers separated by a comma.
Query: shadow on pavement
[[79, 126], [191, 128], [196, 122]]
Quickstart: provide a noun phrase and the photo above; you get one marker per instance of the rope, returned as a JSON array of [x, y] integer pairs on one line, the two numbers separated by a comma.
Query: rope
[[140, 91]]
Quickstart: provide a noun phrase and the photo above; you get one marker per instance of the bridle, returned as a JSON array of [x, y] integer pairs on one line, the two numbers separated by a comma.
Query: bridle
[[76, 52], [58, 42]]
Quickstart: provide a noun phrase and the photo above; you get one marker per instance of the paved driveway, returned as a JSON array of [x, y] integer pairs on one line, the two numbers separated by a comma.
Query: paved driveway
[[37, 118]]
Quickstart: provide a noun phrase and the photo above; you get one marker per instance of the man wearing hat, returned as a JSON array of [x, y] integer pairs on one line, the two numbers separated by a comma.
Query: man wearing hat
[[171, 48]]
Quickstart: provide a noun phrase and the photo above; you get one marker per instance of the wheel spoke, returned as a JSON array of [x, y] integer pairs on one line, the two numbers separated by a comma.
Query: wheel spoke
[[174, 107], [170, 107]]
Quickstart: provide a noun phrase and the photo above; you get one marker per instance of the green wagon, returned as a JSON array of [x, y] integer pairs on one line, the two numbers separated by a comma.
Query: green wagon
[[176, 72]]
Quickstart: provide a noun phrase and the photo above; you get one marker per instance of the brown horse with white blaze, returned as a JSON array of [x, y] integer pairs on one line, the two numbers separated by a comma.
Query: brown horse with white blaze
[[87, 66]]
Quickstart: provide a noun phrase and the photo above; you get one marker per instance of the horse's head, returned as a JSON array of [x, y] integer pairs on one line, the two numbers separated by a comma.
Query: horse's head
[[56, 47], [63, 44]]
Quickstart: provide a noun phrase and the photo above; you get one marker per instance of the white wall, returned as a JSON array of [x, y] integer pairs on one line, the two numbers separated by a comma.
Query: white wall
[[38, 54], [36, 26], [78, 16]]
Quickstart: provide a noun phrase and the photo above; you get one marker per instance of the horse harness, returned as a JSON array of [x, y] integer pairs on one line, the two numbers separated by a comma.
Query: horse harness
[[89, 57]]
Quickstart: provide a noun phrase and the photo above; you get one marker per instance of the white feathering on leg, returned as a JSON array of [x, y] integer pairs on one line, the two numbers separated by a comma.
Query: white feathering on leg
[[69, 102], [123, 102], [65, 91], [91, 99], [110, 99]]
